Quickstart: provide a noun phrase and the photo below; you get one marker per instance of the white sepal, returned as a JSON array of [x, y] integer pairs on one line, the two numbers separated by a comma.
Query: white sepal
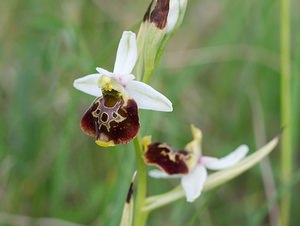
[[227, 161], [89, 84], [126, 54], [148, 98], [174, 8], [193, 182]]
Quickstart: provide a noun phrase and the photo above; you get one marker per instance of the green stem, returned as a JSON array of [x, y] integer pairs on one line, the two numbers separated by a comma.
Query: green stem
[[286, 121], [140, 216]]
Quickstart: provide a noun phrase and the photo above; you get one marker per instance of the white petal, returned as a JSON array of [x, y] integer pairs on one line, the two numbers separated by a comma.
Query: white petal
[[89, 84], [104, 72], [148, 98], [162, 174], [227, 161], [193, 182], [126, 54]]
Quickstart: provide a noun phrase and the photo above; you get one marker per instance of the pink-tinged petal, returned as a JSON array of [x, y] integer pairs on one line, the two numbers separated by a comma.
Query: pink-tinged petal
[[89, 84], [166, 158], [193, 182], [111, 119], [124, 79], [227, 161], [162, 174], [126, 54], [148, 98]]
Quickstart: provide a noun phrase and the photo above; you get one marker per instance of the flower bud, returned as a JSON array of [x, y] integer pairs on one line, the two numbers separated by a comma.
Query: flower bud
[[160, 21], [166, 14]]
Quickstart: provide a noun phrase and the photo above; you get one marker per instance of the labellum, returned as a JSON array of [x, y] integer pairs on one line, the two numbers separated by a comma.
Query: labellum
[[112, 119], [168, 159]]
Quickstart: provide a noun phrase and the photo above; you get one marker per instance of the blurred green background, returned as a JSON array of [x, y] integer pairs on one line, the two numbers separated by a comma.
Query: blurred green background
[[221, 70]]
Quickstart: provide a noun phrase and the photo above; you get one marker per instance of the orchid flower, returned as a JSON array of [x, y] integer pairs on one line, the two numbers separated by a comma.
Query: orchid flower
[[113, 116], [188, 164]]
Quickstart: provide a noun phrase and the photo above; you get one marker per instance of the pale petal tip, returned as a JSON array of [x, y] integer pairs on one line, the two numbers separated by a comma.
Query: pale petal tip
[[243, 150], [157, 174], [192, 198], [130, 33], [169, 107], [75, 83], [99, 70]]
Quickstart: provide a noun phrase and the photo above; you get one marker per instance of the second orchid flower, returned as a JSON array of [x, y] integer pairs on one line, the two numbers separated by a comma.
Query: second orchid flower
[[188, 164]]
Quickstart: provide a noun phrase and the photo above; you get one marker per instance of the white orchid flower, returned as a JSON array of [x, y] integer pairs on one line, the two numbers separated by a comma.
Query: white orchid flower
[[188, 164], [122, 80], [113, 117]]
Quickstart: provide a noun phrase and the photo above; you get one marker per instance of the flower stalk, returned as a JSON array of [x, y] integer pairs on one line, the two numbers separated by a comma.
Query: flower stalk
[[140, 217], [286, 115]]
